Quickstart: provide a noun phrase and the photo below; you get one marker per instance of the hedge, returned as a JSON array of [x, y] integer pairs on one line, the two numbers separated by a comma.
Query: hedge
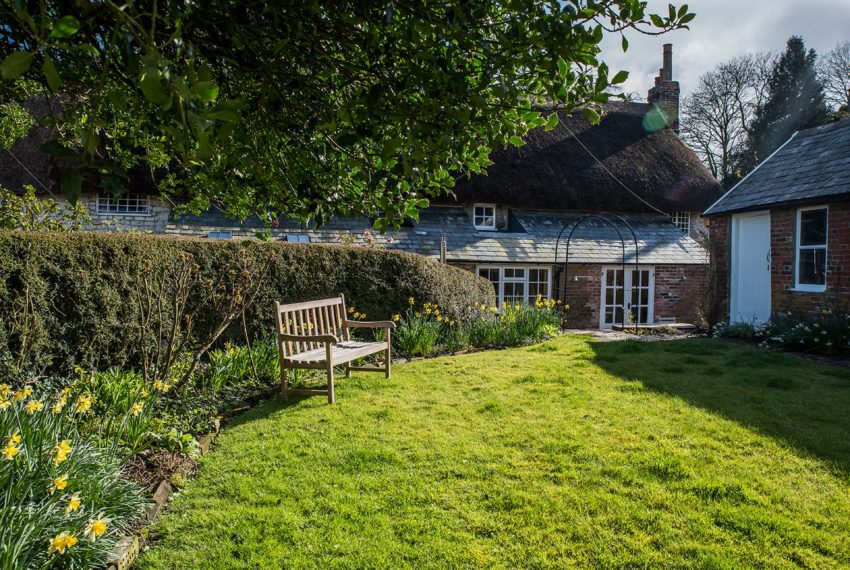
[[79, 298]]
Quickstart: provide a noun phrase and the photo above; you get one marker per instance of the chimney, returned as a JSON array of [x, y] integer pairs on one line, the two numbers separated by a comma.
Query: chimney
[[665, 93]]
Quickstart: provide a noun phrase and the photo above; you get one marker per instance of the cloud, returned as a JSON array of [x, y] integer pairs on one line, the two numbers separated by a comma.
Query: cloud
[[724, 29]]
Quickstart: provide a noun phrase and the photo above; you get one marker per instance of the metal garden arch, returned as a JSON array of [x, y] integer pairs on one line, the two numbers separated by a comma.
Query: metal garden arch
[[607, 218]]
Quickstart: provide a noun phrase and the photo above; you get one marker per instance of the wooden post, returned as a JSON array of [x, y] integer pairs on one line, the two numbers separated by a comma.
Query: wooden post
[[329, 360], [284, 382]]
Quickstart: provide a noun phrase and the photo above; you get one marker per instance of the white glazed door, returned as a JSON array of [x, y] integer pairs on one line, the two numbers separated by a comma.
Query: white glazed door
[[750, 279]]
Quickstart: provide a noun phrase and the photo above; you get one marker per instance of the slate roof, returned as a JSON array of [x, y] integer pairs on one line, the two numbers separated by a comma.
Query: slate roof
[[659, 241], [812, 165], [555, 171]]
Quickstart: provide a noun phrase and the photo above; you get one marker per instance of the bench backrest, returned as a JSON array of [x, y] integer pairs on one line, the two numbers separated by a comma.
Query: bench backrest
[[310, 318]]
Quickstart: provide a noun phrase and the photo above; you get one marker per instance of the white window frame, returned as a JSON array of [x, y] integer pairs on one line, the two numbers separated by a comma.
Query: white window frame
[[298, 238], [483, 216], [500, 296], [812, 287], [220, 235], [108, 205], [682, 220]]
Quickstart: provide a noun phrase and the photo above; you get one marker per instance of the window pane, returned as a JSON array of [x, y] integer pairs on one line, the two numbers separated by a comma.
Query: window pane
[[812, 267], [813, 227]]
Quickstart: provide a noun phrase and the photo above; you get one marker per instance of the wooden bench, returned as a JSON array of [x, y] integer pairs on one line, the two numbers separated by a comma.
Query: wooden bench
[[315, 335]]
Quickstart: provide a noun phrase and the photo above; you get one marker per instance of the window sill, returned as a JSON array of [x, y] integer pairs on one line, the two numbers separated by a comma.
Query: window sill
[[804, 289], [485, 229]]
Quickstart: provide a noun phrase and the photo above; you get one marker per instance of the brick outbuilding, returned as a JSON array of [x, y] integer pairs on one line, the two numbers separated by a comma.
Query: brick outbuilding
[[781, 237]]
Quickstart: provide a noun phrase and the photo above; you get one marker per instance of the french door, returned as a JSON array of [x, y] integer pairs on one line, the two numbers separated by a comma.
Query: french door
[[626, 294]]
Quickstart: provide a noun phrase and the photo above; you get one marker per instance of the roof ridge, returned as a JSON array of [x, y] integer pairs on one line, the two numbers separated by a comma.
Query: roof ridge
[[823, 129]]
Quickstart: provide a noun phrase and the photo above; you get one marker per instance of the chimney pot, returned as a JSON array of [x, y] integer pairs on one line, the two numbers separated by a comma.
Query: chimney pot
[[668, 63]]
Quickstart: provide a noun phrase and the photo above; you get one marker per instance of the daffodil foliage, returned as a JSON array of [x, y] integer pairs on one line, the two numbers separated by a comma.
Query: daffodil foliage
[[307, 108]]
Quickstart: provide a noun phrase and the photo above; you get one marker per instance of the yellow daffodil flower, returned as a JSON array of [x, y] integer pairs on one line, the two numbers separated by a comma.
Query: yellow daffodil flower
[[95, 528], [61, 451], [351, 310], [61, 542], [410, 300], [15, 438], [396, 318], [10, 451], [59, 483], [5, 390], [136, 409], [21, 394], [5, 403], [83, 404], [35, 406], [73, 504], [58, 407]]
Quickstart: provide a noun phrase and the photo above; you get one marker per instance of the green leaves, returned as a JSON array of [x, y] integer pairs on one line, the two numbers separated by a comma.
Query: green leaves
[[591, 115], [65, 27], [16, 64], [51, 74], [71, 185], [620, 77], [318, 107]]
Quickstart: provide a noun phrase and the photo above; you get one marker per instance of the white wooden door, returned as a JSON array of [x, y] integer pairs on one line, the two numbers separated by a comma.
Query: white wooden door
[[632, 293], [750, 278]]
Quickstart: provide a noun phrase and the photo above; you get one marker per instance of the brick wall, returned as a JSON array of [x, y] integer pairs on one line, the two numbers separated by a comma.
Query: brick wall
[[719, 278], [679, 290], [782, 243]]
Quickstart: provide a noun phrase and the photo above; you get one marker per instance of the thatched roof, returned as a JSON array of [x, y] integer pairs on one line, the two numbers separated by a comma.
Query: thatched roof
[[13, 175], [553, 172]]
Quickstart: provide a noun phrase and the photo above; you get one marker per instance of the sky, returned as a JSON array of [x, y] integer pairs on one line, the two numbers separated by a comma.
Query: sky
[[723, 29]]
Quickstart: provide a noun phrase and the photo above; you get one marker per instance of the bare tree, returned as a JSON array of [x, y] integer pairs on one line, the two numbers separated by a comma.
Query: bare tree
[[716, 117], [834, 71]]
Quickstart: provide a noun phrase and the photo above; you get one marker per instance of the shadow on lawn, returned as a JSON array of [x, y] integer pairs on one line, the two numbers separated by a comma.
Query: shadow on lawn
[[780, 395]]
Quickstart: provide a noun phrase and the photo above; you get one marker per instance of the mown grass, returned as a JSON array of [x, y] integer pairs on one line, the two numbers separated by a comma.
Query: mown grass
[[694, 453]]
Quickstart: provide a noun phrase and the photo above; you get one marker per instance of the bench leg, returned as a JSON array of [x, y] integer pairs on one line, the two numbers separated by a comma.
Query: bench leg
[[388, 355], [329, 360], [348, 370], [284, 384]]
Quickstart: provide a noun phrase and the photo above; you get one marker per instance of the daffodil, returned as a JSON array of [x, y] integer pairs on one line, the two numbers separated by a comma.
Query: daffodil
[[73, 504], [396, 318], [59, 483], [35, 406], [83, 404], [21, 394], [10, 451], [136, 409], [95, 527], [411, 300], [161, 386], [15, 438], [58, 406], [5, 390], [61, 542], [61, 451], [351, 310], [5, 403]]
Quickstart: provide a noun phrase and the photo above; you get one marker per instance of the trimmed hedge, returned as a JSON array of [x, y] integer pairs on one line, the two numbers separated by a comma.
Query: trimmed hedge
[[73, 298]]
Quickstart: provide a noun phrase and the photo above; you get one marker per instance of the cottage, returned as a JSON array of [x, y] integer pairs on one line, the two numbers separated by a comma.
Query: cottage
[[506, 225], [781, 236]]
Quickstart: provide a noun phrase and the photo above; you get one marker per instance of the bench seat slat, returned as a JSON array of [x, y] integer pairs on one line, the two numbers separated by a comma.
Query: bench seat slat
[[343, 352]]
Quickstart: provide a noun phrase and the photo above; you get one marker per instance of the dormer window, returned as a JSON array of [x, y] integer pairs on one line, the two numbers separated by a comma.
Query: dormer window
[[484, 216]]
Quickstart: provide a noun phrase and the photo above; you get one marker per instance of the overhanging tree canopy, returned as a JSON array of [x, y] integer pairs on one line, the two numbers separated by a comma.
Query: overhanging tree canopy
[[306, 108]]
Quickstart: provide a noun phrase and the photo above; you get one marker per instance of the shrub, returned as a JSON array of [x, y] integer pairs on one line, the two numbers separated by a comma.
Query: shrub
[[64, 501], [828, 332], [101, 300]]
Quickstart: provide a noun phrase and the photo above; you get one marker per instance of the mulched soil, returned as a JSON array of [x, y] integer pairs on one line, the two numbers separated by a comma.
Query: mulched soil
[[150, 467]]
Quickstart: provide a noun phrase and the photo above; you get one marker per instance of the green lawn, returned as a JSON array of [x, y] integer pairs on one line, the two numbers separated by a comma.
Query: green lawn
[[690, 453]]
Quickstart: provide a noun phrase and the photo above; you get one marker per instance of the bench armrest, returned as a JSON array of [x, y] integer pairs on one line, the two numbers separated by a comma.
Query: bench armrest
[[308, 338], [370, 324]]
